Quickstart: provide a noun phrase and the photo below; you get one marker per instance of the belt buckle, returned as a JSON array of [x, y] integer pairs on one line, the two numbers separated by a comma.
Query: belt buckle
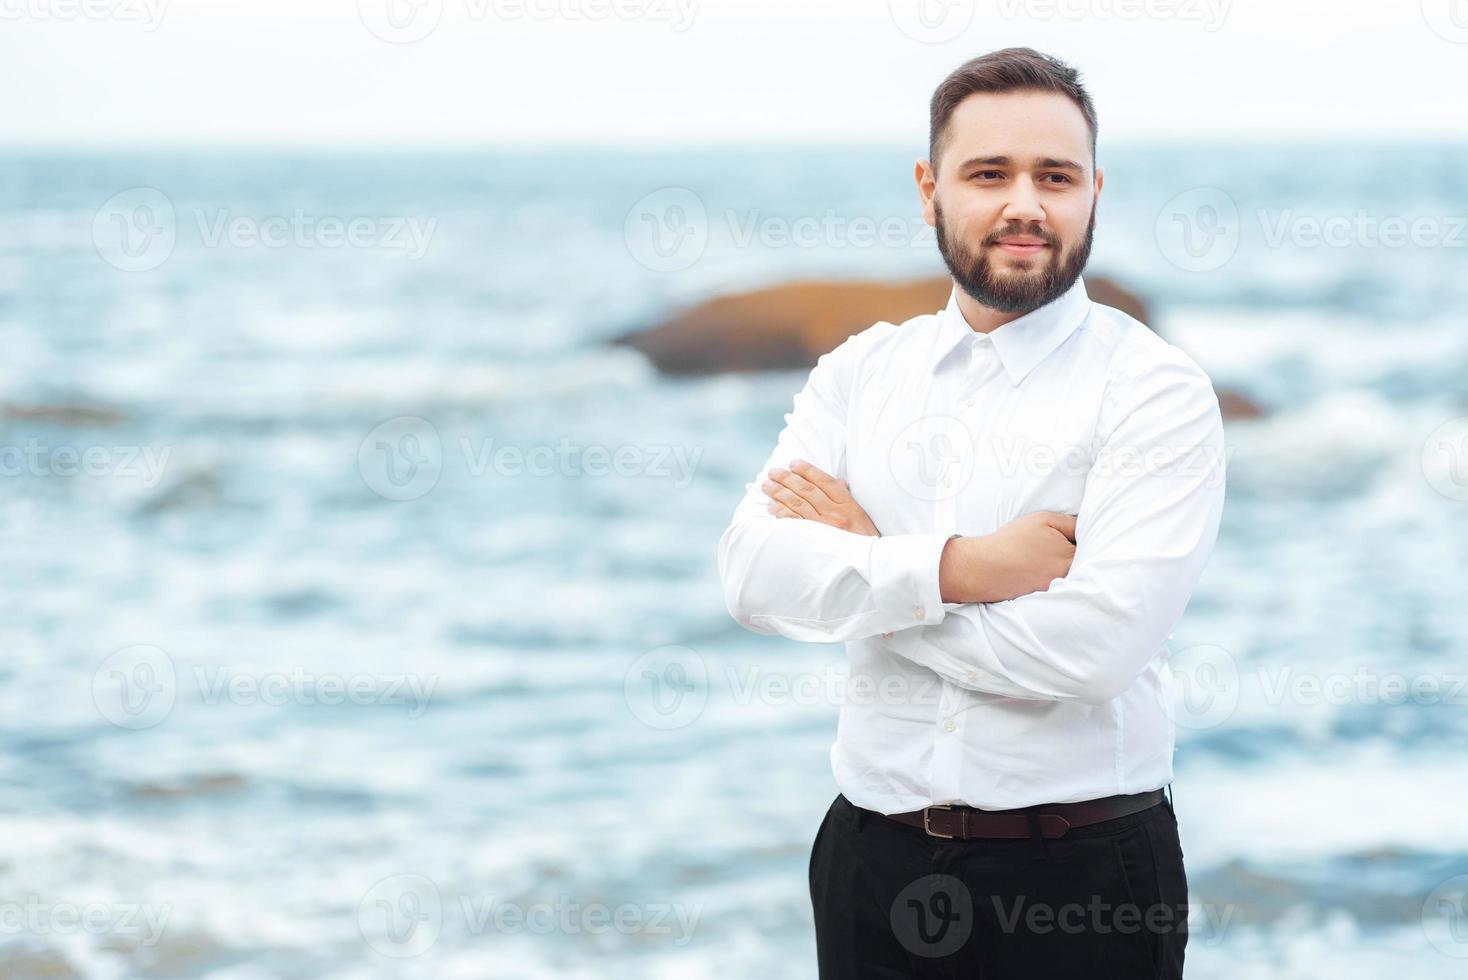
[[927, 821]]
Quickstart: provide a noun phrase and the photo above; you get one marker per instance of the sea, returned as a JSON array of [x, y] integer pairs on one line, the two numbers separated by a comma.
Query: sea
[[361, 615]]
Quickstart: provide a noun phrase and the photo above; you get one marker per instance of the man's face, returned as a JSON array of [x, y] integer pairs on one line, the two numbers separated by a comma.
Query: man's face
[[1014, 198]]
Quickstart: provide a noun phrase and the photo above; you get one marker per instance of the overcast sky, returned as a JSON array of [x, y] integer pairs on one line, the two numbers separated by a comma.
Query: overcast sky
[[657, 72]]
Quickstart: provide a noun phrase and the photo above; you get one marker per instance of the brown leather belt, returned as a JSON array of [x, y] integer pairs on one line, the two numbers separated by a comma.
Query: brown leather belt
[[1053, 819]]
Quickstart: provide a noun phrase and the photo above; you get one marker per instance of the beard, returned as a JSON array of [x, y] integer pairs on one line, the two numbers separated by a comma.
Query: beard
[[1051, 273]]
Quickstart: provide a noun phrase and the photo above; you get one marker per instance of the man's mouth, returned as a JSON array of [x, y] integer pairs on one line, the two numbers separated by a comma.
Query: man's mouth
[[1022, 244]]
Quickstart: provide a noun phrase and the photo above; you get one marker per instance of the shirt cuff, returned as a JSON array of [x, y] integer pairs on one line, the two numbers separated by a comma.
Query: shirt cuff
[[904, 577]]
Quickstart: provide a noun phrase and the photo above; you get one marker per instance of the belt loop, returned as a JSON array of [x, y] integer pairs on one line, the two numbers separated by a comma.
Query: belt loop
[[1037, 838], [1169, 800]]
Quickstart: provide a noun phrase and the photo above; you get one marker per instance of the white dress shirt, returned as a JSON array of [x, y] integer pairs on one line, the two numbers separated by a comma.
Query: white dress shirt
[[1055, 696]]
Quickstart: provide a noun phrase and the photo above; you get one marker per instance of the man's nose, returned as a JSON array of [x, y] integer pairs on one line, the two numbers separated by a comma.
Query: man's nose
[[1023, 203]]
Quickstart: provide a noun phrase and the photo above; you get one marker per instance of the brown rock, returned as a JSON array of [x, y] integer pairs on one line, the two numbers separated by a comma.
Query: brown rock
[[785, 326], [790, 325], [63, 413], [1236, 405]]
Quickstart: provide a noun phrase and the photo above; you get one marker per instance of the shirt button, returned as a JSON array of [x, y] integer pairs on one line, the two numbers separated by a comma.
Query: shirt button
[[827, 629], [948, 725], [917, 612], [969, 403], [970, 676], [886, 636]]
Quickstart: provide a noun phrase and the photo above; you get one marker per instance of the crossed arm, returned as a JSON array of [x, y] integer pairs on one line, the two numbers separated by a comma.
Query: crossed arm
[[1021, 557], [1046, 607]]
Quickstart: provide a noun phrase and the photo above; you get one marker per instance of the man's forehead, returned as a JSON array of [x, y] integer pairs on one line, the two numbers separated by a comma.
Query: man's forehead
[[1025, 126]]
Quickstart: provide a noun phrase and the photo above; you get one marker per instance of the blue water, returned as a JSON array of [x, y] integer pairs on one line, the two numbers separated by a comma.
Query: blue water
[[295, 486]]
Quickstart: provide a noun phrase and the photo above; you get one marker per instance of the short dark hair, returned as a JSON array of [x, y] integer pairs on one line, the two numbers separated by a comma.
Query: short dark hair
[[1006, 70]]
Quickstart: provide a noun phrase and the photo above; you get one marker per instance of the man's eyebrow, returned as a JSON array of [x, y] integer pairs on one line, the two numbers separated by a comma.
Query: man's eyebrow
[[1045, 163]]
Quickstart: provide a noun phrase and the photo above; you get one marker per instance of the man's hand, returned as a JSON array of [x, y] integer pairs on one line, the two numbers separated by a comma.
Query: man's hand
[[1023, 556], [810, 493]]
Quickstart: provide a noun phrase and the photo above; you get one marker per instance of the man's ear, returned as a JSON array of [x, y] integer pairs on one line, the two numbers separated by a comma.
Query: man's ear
[[927, 185], [1100, 179]]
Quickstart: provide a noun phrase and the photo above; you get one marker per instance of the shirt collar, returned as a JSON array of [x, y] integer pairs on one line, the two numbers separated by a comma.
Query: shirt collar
[[1021, 343]]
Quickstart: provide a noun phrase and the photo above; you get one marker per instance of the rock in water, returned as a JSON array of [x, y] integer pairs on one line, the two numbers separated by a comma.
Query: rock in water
[[790, 325]]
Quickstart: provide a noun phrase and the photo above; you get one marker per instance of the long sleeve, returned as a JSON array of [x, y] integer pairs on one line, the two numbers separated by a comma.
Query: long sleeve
[[1147, 523], [807, 580]]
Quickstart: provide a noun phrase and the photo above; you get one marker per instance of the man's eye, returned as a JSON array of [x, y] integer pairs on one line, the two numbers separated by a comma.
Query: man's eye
[[987, 173], [1064, 179]]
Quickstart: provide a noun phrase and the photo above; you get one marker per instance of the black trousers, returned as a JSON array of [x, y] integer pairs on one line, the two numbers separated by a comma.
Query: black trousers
[[1109, 900]]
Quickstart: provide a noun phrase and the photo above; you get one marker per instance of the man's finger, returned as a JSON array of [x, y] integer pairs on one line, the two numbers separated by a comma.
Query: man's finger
[[803, 487], [1066, 525], [828, 484], [789, 498], [774, 487]]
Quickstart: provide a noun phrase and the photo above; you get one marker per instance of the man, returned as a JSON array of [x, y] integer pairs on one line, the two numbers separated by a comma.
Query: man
[[1001, 509]]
